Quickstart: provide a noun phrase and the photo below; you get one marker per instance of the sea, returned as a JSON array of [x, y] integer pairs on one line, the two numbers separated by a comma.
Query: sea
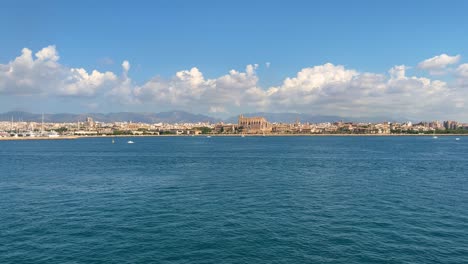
[[337, 199]]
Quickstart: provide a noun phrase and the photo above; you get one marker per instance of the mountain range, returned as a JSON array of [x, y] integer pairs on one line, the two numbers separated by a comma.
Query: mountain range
[[178, 117]]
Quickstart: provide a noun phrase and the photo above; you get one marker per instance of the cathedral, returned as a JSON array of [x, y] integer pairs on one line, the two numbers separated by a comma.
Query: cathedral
[[253, 125]]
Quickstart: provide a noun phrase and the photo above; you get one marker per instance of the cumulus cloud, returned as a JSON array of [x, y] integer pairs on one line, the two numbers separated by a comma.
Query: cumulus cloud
[[398, 72], [123, 88], [462, 70], [326, 89], [80, 82], [309, 85], [26, 75], [190, 87], [437, 64], [48, 53], [126, 66], [333, 89], [461, 74]]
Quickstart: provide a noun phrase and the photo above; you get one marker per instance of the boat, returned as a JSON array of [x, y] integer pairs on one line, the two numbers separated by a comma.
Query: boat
[[130, 142], [208, 136], [113, 141], [434, 137], [457, 139], [53, 134]]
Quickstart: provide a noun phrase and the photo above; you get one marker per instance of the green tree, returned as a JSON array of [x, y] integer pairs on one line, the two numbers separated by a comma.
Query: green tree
[[204, 130]]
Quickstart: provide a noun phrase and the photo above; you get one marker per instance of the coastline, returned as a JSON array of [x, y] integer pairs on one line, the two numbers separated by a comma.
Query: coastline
[[38, 138], [233, 135]]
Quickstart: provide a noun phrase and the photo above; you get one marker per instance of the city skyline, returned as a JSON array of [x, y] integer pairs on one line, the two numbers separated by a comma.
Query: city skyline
[[208, 59], [250, 125], [172, 117]]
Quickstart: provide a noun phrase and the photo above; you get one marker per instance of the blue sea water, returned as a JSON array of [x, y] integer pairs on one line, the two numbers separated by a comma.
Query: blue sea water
[[235, 200]]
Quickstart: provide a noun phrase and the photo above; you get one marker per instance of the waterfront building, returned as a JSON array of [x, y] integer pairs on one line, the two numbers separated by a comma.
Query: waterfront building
[[282, 128], [89, 122], [253, 125], [225, 128], [450, 124]]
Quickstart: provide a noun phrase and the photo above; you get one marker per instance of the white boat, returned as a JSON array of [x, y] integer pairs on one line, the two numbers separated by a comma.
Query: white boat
[[53, 134], [457, 139], [113, 141], [130, 142], [208, 136]]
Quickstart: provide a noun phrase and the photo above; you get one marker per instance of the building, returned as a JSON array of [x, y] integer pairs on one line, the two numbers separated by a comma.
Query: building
[[253, 125], [282, 128], [89, 122], [435, 125], [450, 124], [225, 128]]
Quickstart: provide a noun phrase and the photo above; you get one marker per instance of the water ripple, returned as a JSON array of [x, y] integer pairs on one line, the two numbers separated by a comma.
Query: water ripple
[[235, 200]]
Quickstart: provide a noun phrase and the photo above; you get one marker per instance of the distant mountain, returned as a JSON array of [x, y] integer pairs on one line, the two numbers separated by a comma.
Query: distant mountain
[[164, 117], [304, 118]]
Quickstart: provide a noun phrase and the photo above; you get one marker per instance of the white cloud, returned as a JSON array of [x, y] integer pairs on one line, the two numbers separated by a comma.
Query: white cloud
[[126, 66], [123, 89], [191, 88], [316, 77], [333, 89], [461, 74], [79, 82], [462, 70], [48, 53], [437, 64], [26, 75], [326, 89], [398, 72], [309, 85], [267, 64]]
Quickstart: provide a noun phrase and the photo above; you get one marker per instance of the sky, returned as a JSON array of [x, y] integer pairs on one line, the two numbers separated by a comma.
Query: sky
[[395, 59]]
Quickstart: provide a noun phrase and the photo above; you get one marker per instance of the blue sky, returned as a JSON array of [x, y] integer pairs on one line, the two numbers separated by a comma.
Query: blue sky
[[161, 38]]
